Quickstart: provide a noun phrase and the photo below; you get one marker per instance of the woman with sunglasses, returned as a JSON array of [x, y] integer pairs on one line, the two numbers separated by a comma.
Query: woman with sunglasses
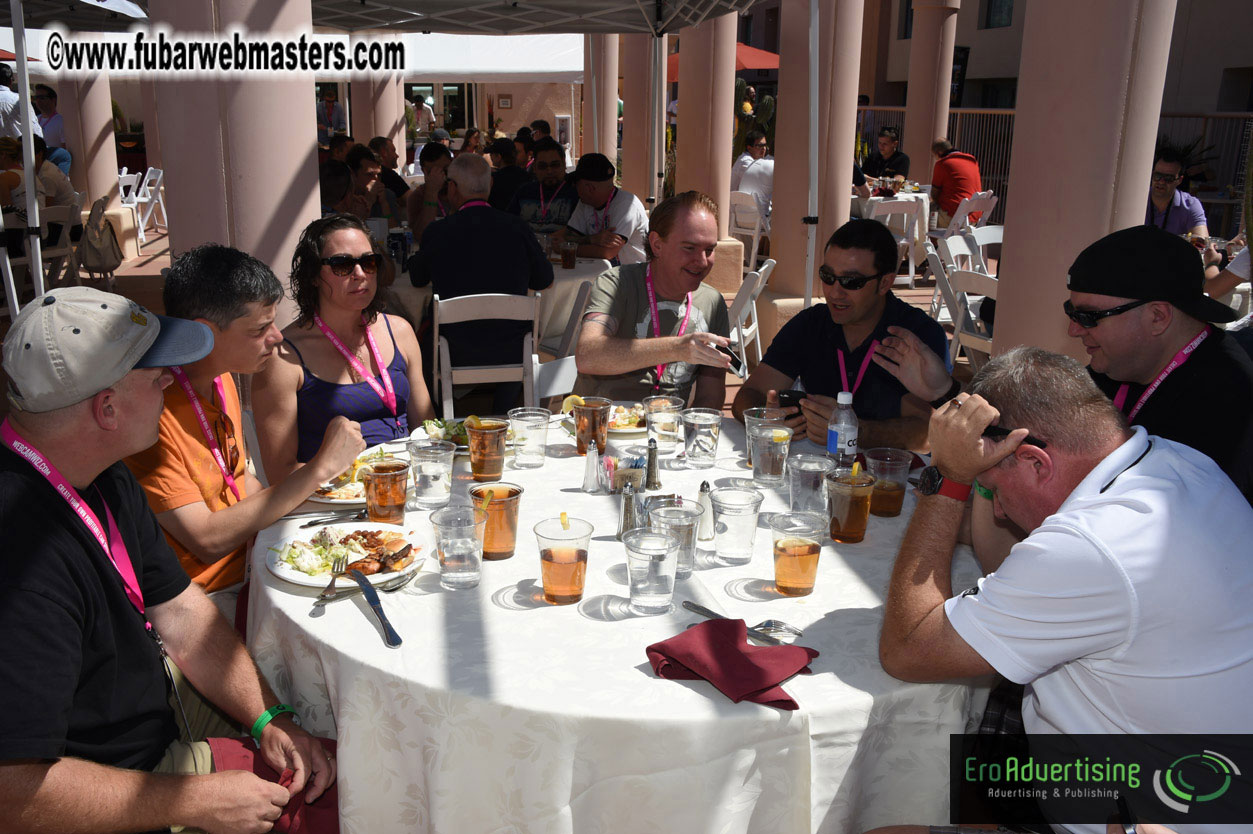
[[342, 355]]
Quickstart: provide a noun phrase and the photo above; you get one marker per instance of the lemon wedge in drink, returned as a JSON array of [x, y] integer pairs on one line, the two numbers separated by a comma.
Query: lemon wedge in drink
[[474, 422], [565, 521], [780, 435], [568, 404]]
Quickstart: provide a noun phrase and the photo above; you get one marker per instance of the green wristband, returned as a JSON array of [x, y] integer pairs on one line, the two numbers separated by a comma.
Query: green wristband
[[430, 203], [268, 716], [982, 490]]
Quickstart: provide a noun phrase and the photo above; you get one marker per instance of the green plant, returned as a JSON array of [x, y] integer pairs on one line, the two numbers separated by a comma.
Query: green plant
[[758, 117]]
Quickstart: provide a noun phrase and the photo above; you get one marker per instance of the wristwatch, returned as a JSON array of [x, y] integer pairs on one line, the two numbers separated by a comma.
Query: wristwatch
[[931, 482]]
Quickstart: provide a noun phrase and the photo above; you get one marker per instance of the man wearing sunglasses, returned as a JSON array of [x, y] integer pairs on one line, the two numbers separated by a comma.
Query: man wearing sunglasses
[[755, 148], [1170, 209], [829, 347], [546, 203]]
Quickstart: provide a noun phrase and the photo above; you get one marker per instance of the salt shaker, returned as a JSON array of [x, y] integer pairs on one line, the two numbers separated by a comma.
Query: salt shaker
[[705, 532], [591, 469], [653, 477], [628, 520]]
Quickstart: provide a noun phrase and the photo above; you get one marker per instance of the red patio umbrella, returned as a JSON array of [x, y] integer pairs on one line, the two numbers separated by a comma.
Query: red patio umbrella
[[746, 57], [6, 55]]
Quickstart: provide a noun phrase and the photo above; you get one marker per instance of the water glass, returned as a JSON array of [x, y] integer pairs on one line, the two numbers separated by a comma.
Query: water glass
[[806, 485], [459, 542], [681, 518], [735, 523], [700, 439], [563, 558], [430, 468], [652, 558], [797, 543], [890, 468], [661, 414], [770, 444], [530, 436], [756, 417]]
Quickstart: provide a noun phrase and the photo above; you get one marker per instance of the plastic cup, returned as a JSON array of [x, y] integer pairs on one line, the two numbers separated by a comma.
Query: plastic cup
[[701, 427], [591, 422], [386, 484], [569, 254], [430, 469], [848, 503], [807, 492], [770, 445], [501, 537], [661, 415], [797, 543], [459, 541], [487, 449], [735, 523], [652, 559], [563, 558], [681, 518], [890, 468], [530, 436], [756, 417]]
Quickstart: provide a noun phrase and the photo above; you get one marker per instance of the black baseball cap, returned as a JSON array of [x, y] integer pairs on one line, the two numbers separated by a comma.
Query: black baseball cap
[[1148, 264], [593, 166]]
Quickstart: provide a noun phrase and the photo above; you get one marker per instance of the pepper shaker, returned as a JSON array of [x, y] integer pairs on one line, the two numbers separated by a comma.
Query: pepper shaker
[[653, 478], [628, 520], [591, 469], [705, 532]]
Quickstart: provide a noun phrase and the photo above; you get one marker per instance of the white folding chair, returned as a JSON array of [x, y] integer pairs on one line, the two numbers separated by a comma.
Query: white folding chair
[[555, 378], [943, 300], [747, 222], [743, 312], [470, 308], [905, 232], [979, 239], [956, 252], [969, 333], [143, 198], [570, 337], [10, 286], [60, 254], [1239, 300], [982, 201]]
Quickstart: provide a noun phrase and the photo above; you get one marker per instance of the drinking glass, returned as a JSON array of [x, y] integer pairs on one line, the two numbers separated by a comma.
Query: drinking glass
[[652, 558], [890, 468], [459, 541], [806, 483], [700, 438], [661, 414], [735, 523], [797, 543], [848, 503], [430, 464], [756, 417], [386, 482], [591, 422], [487, 449], [770, 444], [563, 558], [502, 518], [530, 436], [681, 518], [569, 254]]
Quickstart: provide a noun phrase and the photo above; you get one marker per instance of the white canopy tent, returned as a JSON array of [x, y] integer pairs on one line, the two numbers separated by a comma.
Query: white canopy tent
[[484, 59]]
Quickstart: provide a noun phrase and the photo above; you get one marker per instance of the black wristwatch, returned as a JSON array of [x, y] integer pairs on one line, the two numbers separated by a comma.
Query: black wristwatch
[[953, 390], [931, 482]]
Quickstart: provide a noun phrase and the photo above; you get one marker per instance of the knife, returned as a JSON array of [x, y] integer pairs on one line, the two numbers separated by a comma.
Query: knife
[[389, 634], [347, 515], [713, 615]]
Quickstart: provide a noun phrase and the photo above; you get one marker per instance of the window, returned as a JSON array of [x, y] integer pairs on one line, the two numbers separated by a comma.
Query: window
[[771, 39], [906, 29], [997, 14], [746, 29]]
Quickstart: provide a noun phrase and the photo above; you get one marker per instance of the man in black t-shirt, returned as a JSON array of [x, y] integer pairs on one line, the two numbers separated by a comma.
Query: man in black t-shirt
[[889, 162], [84, 715], [509, 174], [385, 150], [546, 203]]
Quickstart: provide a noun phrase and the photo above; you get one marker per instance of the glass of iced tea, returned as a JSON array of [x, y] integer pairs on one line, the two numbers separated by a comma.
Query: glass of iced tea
[[848, 503], [501, 535], [797, 543], [890, 468], [386, 482], [591, 422], [563, 558], [487, 448]]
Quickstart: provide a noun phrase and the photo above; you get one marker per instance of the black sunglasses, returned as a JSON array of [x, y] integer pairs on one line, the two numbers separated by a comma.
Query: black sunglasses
[[849, 282], [343, 265], [998, 433], [1091, 318]]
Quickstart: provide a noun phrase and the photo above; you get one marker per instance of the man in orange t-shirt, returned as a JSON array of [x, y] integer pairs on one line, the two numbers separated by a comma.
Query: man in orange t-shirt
[[954, 178], [208, 518]]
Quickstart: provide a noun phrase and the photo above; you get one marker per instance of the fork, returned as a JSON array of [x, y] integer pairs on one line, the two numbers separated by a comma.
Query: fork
[[778, 626], [339, 566]]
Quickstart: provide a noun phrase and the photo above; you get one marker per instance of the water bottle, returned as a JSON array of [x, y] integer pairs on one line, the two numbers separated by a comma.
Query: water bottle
[[842, 431]]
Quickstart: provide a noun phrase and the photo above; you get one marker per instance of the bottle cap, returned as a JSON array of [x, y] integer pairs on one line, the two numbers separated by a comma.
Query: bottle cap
[[844, 398]]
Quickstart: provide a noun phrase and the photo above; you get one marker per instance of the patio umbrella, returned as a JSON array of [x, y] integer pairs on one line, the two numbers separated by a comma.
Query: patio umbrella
[[746, 58]]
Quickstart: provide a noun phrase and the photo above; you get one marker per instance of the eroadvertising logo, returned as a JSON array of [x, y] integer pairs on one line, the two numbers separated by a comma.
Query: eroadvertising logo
[[1195, 778]]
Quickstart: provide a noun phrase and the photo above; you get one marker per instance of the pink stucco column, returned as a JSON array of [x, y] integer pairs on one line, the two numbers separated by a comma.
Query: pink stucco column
[[707, 124], [239, 151], [839, 70], [600, 67], [152, 137], [791, 152], [377, 106], [636, 54], [87, 110], [930, 79], [1077, 184]]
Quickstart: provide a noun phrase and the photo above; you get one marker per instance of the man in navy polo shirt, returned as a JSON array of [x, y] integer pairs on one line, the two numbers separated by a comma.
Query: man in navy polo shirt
[[828, 348]]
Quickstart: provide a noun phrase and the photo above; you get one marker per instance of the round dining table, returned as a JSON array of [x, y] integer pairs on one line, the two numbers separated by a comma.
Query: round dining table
[[501, 713]]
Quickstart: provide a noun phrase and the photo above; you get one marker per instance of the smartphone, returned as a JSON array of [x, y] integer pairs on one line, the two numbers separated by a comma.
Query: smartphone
[[737, 367], [791, 399], [1126, 817]]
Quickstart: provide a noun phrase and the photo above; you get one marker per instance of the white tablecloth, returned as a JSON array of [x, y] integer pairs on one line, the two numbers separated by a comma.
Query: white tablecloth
[[923, 200], [557, 301], [503, 714]]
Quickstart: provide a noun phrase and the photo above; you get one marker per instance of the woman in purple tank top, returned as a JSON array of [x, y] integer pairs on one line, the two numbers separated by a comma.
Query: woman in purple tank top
[[342, 358]]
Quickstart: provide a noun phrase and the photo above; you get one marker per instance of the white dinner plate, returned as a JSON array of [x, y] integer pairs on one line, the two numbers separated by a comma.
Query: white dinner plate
[[462, 449], [288, 573], [394, 448]]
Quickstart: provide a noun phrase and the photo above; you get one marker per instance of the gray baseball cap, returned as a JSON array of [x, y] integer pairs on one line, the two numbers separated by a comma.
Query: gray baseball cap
[[74, 342]]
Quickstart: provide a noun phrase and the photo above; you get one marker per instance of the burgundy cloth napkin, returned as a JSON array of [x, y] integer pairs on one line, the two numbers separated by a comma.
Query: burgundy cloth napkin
[[299, 817], [718, 651]]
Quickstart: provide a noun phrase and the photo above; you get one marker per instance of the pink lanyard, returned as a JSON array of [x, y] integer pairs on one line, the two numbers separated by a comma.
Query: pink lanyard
[[652, 303], [543, 207], [385, 391], [113, 546], [865, 363], [472, 203], [605, 217], [205, 428], [1182, 356]]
